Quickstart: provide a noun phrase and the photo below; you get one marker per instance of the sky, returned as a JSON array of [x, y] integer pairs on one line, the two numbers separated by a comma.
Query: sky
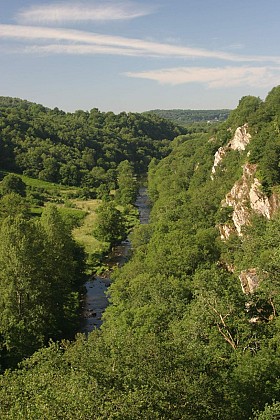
[[138, 55]]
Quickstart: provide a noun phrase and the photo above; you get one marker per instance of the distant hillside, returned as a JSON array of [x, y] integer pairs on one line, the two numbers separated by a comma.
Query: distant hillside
[[189, 116], [82, 148]]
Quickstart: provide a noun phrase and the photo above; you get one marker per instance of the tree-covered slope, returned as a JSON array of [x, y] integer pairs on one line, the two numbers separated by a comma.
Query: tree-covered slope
[[80, 148], [180, 340]]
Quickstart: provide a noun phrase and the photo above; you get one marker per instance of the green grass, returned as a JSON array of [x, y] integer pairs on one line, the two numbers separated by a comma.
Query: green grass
[[84, 233], [38, 183], [78, 213]]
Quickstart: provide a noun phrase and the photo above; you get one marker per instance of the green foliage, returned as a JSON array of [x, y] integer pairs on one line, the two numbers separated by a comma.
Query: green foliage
[[247, 107], [271, 412], [180, 340], [13, 204], [127, 184], [41, 273], [186, 117], [110, 224], [13, 184], [80, 148]]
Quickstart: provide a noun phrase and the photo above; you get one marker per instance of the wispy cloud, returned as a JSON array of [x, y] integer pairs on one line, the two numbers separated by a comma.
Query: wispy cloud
[[57, 13], [117, 44], [220, 77], [79, 49]]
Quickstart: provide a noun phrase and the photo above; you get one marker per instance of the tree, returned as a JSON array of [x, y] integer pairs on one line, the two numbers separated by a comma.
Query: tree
[[13, 204], [24, 287], [110, 224], [127, 185], [66, 271], [13, 184]]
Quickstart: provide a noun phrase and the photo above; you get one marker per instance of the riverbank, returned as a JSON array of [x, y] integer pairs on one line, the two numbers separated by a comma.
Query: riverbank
[[96, 300]]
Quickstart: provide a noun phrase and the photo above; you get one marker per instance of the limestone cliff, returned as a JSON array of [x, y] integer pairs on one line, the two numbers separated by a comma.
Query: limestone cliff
[[246, 197], [240, 139], [239, 142], [249, 280]]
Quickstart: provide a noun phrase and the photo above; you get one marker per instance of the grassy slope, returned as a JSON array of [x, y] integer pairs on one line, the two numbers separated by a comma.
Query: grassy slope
[[83, 233], [79, 212]]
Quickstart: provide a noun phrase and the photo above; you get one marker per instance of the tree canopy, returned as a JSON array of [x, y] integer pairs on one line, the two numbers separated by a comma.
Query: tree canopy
[[81, 148], [180, 339]]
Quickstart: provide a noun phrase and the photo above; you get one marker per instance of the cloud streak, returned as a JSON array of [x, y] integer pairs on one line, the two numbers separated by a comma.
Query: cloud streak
[[219, 77], [58, 13], [116, 44], [78, 49]]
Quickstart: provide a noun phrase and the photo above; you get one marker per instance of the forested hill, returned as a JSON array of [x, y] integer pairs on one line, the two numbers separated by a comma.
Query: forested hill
[[185, 117], [193, 328], [80, 148]]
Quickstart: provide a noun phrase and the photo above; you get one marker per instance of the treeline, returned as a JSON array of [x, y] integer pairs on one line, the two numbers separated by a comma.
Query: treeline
[[80, 148], [188, 116], [180, 339]]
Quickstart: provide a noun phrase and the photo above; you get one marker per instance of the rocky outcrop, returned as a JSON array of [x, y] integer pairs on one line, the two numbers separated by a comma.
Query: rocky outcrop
[[249, 280], [239, 198], [240, 139], [260, 203], [246, 196], [226, 230], [219, 155], [239, 142]]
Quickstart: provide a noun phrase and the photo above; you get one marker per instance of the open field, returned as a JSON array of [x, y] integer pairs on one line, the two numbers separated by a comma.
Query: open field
[[83, 234]]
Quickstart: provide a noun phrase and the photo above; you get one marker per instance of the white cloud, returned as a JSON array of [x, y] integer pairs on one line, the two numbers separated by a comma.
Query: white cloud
[[116, 44], [140, 47], [81, 11], [220, 77]]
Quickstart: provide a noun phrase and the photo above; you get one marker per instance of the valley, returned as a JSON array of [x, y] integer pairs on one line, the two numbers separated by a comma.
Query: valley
[[192, 329]]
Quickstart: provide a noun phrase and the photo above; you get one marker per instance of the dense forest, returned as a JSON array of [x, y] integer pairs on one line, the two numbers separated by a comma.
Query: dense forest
[[81, 148], [192, 329]]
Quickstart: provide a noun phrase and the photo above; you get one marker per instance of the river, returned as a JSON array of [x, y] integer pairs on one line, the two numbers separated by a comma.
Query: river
[[96, 300]]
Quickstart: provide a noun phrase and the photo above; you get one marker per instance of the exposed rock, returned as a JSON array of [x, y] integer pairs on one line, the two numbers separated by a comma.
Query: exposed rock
[[240, 139], [225, 231], [217, 159], [239, 142], [239, 198], [249, 280], [245, 196], [260, 203]]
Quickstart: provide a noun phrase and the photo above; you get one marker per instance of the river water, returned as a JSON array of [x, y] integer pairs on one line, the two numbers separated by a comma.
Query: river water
[[96, 300]]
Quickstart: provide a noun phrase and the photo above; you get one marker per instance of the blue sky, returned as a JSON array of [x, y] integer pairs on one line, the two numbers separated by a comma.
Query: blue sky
[[139, 55]]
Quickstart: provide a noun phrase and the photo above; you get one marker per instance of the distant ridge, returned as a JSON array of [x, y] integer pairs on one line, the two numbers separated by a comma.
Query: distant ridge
[[189, 116]]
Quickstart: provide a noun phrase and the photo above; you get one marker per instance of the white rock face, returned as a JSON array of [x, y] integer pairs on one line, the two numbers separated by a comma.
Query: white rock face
[[218, 158], [259, 201], [245, 196], [238, 198], [249, 280], [239, 142], [241, 138], [225, 231]]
